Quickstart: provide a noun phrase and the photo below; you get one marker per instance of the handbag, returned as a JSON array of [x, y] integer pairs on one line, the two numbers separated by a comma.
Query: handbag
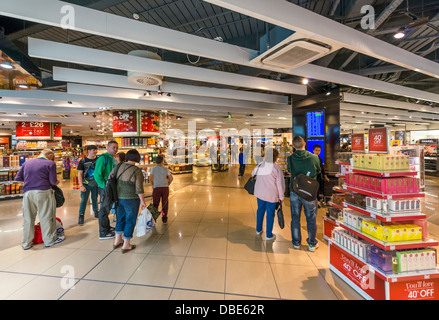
[[280, 215], [250, 184], [154, 211], [59, 196]]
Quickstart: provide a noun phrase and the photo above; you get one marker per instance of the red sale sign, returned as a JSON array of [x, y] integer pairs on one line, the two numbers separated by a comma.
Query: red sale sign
[[359, 273], [426, 289], [378, 140], [149, 122], [57, 131], [29, 130], [125, 123], [358, 142]]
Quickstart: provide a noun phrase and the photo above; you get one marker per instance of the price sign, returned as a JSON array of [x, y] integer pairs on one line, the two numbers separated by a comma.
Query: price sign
[[125, 123], [378, 140], [358, 142], [149, 122], [415, 290], [30, 130], [57, 131]]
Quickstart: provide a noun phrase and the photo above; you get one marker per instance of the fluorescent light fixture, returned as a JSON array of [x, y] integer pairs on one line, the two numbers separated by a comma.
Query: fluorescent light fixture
[[23, 86]]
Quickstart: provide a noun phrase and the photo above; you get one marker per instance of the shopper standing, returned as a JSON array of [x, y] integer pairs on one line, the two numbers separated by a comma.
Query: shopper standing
[[269, 190], [87, 183], [304, 162], [316, 150], [130, 194], [241, 163], [160, 179], [103, 167], [39, 175]]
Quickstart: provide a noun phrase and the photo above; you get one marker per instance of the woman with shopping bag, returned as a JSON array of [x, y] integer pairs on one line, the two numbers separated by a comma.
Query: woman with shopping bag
[[130, 194]]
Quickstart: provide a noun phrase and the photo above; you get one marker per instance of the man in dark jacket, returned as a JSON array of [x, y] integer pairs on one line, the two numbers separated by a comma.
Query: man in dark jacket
[[304, 162], [316, 150]]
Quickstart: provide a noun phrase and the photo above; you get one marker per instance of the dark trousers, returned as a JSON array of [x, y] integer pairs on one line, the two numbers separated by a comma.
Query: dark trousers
[[161, 193], [104, 222], [241, 169]]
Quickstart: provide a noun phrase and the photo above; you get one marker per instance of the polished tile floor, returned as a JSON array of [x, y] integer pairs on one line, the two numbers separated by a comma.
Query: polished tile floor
[[208, 250]]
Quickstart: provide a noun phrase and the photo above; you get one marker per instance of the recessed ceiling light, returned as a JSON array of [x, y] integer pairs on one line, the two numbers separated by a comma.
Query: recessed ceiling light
[[400, 34], [6, 65], [305, 81]]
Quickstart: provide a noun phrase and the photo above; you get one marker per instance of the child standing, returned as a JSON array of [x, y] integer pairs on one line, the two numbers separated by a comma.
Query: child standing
[[160, 178]]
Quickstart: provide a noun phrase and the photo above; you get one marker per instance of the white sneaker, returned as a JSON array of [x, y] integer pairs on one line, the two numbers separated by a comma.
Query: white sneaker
[[258, 233], [271, 238], [313, 248], [296, 247]]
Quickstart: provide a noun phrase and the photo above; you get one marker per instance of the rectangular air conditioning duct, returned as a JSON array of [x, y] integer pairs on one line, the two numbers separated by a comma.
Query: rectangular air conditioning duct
[[295, 54]]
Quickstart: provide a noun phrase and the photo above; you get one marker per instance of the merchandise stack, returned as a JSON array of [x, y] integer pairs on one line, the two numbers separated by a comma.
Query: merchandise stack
[[378, 237]]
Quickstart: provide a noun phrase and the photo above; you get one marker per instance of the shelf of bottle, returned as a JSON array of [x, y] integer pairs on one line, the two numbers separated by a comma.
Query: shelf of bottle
[[380, 216], [413, 244], [390, 276], [379, 195], [385, 174]]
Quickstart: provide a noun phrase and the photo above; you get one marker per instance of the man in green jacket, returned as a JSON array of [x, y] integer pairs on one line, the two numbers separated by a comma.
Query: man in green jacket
[[103, 167], [303, 161]]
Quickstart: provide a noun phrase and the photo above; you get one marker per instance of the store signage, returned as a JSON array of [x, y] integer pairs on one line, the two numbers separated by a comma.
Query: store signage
[[378, 140], [149, 123], [358, 142], [57, 131], [426, 289], [125, 123], [428, 141], [360, 274], [29, 130]]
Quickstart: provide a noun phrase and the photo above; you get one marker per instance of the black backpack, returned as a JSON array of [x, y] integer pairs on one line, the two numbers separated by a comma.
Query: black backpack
[[306, 187], [110, 191]]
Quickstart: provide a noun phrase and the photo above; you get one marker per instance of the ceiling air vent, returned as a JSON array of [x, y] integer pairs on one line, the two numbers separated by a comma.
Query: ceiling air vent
[[295, 54], [144, 79]]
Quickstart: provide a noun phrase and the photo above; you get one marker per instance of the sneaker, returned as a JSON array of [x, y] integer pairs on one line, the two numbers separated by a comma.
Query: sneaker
[[271, 238], [81, 220], [58, 240], [296, 247], [258, 233], [108, 235], [313, 248]]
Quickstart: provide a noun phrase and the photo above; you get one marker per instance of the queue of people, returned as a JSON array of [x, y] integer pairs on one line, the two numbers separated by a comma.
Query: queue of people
[[39, 176]]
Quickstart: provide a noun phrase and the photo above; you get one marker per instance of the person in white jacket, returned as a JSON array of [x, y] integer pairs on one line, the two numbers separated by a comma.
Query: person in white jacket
[[269, 190]]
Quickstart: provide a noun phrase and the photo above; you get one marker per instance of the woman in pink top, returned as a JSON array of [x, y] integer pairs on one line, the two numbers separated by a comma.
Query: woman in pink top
[[269, 190]]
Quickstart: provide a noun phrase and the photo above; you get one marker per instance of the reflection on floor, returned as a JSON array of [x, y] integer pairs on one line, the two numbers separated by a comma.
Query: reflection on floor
[[208, 250]]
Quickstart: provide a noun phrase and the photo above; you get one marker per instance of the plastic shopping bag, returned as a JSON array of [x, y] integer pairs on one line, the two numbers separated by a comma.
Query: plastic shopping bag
[[144, 222]]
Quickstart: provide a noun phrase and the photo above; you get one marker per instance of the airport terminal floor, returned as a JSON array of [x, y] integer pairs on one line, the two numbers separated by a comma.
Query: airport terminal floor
[[208, 250]]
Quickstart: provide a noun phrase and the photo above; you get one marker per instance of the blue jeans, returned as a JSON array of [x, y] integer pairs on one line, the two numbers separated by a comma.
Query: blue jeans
[[270, 207], [127, 217], [310, 208], [84, 199]]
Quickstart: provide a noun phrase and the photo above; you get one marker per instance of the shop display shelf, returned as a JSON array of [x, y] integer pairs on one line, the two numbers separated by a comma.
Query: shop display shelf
[[339, 190], [390, 276], [386, 218], [11, 196], [414, 244], [342, 163], [385, 174], [332, 204], [380, 195]]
